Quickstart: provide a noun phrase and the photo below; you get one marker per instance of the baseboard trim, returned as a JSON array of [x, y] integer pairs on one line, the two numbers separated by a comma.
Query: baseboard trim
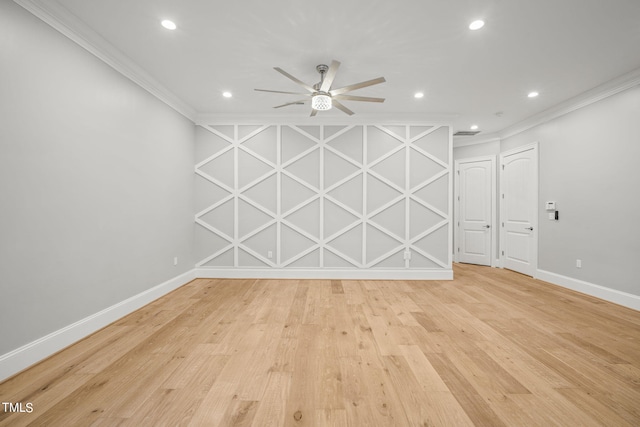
[[608, 294], [335, 274], [21, 358]]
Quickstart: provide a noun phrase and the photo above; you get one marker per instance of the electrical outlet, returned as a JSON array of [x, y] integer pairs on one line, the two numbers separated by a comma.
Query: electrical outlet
[[579, 263], [175, 260], [407, 255], [270, 254]]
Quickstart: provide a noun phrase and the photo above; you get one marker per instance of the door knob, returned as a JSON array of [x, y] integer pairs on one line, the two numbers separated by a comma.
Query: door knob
[[487, 226]]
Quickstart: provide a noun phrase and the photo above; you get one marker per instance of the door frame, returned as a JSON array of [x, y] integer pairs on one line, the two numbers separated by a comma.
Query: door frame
[[456, 198], [534, 219]]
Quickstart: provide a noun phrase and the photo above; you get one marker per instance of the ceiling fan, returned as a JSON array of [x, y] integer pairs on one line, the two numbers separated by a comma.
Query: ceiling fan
[[323, 97]]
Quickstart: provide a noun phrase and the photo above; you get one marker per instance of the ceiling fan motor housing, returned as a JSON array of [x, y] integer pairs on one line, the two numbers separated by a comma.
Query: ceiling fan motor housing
[[322, 68]]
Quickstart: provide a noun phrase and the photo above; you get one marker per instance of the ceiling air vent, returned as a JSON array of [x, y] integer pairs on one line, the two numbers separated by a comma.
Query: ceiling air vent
[[466, 133]]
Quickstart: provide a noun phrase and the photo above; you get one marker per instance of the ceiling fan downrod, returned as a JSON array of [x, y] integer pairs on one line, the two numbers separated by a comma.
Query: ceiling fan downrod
[[322, 69], [321, 101]]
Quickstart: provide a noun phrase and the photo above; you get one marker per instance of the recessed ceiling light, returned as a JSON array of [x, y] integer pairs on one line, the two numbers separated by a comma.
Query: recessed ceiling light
[[474, 127], [533, 94], [476, 25], [227, 94], [419, 95], [169, 25]]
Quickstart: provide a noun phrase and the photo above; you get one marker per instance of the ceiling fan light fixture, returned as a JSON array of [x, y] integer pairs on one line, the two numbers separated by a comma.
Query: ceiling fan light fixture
[[321, 102]]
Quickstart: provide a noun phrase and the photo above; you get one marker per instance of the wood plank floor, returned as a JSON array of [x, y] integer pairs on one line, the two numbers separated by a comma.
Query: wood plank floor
[[490, 348]]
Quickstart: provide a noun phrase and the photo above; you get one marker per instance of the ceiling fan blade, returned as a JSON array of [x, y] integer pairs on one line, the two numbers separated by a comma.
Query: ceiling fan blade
[[280, 91], [358, 98], [313, 112], [328, 78], [301, 83], [355, 86], [299, 101], [341, 107]]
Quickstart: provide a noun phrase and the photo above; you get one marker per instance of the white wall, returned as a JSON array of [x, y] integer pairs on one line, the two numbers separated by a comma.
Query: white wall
[[324, 200], [588, 165], [96, 183]]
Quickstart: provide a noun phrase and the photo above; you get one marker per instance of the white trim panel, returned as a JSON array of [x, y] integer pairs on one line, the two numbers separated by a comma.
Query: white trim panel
[[335, 274], [608, 294], [21, 358], [319, 150]]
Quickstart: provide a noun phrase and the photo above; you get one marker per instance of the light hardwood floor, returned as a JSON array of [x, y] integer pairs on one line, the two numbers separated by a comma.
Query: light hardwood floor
[[490, 348]]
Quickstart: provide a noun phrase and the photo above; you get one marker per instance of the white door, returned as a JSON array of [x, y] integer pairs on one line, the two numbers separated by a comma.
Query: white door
[[519, 188], [476, 178]]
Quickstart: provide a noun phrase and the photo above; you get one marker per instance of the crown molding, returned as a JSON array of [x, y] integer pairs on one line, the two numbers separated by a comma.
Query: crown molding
[[357, 119], [475, 140], [58, 17], [612, 87]]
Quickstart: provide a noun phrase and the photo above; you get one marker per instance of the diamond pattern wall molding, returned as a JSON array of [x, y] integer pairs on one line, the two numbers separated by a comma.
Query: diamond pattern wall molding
[[309, 199]]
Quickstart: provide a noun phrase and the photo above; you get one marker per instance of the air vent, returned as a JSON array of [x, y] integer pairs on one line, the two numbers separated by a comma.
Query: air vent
[[466, 133]]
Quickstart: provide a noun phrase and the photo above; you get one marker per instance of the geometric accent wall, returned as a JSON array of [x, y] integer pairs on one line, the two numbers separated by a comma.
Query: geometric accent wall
[[324, 197]]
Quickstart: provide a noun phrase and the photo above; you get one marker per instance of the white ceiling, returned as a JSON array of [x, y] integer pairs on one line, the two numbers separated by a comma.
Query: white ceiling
[[560, 48]]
